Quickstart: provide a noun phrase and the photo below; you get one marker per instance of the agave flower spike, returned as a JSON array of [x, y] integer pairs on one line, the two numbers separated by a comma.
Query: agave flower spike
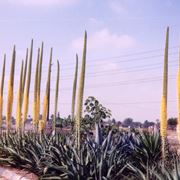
[[24, 74], [46, 97], [1, 91], [35, 106], [80, 96], [178, 99], [10, 92], [74, 91], [56, 98], [163, 116], [19, 102], [26, 93], [39, 79]]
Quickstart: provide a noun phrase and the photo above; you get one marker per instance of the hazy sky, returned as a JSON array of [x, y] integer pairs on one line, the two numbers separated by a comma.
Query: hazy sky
[[125, 49]]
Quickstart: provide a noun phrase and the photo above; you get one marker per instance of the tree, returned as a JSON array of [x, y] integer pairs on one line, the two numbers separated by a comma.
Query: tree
[[137, 124], [147, 124], [94, 112], [127, 122], [172, 121]]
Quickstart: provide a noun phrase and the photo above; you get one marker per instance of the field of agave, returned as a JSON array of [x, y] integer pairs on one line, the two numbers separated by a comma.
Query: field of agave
[[79, 155], [123, 155]]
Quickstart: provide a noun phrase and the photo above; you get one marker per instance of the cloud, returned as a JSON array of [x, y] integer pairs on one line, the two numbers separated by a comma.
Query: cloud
[[94, 20], [43, 2], [117, 6], [105, 40]]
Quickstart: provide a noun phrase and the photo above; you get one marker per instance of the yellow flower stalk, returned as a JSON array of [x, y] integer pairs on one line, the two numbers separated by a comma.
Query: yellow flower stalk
[[39, 80], [26, 93], [10, 93], [74, 90], [178, 100], [80, 95], [24, 74], [35, 112], [1, 91], [19, 102], [163, 116], [46, 97], [56, 98], [41, 126]]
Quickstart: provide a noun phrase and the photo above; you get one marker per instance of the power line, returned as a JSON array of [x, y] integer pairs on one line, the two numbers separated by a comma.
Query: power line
[[117, 71], [89, 61], [127, 55], [122, 103], [138, 68], [114, 84]]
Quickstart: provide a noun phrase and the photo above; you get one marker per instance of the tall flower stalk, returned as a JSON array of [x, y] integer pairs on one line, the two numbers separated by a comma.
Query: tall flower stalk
[[80, 96], [1, 92], [24, 74], [39, 80], [19, 102], [178, 100], [46, 97], [56, 98], [10, 92], [74, 90], [163, 116], [35, 106], [26, 93]]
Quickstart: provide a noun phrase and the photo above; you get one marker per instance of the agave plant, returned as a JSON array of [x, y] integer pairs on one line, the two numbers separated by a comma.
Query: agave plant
[[94, 162], [169, 173], [146, 151], [157, 172], [25, 152]]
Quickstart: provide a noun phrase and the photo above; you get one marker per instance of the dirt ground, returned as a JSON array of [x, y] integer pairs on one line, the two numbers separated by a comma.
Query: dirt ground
[[172, 139]]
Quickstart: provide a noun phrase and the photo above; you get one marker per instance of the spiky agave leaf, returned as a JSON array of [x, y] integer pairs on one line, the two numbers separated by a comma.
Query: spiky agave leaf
[[46, 97], [10, 92], [1, 91], [56, 97], [98, 134], [19, 102], [35, 111], [26, 94], [163, 116], [74, 90], [80, 94]]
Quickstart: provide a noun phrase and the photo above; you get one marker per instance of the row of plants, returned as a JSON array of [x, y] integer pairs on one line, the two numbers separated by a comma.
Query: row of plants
[[121, 155]]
